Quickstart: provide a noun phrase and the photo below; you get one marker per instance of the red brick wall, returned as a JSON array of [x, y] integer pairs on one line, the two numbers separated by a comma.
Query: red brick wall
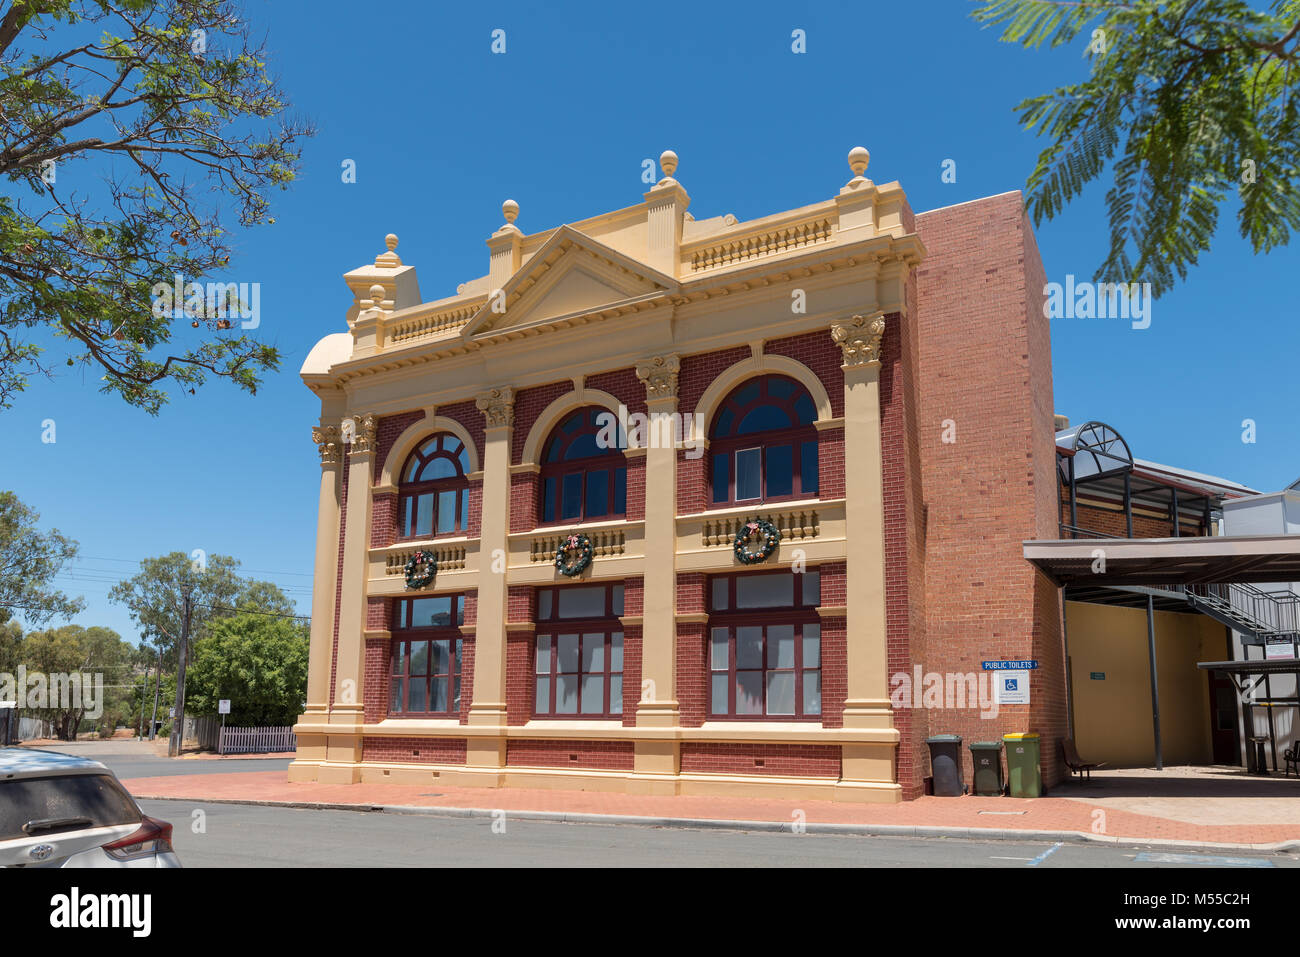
[[692, 661], [468, 415], [379, 613], [834, 645], [633, 604], [523, 502], [375, 680], [383, 520], [386, 433], [1110, 521], [801, 760], [529, 404], [414, 750], [984, 351], [830, 463], [818, 351], [600, 755], [521, 686]]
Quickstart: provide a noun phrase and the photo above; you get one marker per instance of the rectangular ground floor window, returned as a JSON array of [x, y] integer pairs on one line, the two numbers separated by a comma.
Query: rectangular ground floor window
[[765, 645], [578, 664], [427, 650]]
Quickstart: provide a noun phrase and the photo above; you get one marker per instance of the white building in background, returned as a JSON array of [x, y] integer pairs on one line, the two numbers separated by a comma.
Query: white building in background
[[1270, 513]]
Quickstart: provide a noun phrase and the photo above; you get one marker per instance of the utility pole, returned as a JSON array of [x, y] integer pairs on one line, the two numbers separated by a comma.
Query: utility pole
[[178, 723], [157, 688], [144, 689]]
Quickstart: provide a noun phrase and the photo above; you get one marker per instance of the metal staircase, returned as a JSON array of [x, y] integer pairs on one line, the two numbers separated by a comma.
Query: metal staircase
[[1258, 615]]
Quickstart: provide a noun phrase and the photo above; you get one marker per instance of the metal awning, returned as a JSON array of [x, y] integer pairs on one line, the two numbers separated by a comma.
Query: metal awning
[[1168, 561]]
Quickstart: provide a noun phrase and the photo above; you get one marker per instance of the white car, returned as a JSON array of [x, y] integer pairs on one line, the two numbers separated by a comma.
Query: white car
[[58, 810]]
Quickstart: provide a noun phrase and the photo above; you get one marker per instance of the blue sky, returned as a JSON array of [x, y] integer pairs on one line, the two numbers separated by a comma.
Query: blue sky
[[442, 131]]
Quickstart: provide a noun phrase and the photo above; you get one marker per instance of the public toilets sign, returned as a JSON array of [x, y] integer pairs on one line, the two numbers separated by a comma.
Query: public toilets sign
[[1011, 686]]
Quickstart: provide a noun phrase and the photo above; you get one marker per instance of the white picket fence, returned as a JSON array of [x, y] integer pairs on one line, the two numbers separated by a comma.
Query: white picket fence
[[256, 740]]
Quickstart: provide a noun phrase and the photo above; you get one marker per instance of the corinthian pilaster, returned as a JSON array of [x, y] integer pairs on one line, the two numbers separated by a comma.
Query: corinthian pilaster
[[859, 339]]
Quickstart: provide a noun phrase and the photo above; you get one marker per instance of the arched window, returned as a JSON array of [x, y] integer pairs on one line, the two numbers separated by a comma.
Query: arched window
[[583, 473], [763, 443], [433, 494]]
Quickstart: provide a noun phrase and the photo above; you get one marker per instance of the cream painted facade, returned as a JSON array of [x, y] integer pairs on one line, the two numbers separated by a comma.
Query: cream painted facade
[[640, 287]]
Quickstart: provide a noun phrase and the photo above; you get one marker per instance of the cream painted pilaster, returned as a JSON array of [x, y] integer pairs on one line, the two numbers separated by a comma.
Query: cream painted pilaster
[[325, 577], [488, 708], [658, 705], [343, 752], [867, 766], [312, 742]]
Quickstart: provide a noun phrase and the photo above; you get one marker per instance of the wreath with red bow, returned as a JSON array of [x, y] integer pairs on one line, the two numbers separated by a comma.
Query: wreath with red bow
[[760, 532], [573, 556], [420, 569]]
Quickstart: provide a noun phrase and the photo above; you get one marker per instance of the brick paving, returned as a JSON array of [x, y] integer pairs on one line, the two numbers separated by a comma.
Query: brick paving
[[1240, 825]]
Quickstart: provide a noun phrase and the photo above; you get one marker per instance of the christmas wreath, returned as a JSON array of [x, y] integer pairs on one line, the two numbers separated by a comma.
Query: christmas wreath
[[767, 536], [420, 569], [573, 556]]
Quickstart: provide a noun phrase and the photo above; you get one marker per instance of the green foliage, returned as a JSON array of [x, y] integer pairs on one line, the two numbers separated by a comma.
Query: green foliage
[[1187, 103], [154, 596], [29, 560], [258, 662], [73, 649], [173, 111]]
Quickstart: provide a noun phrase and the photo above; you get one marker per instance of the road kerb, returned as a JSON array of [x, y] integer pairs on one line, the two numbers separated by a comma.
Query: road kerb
[[786, 827]]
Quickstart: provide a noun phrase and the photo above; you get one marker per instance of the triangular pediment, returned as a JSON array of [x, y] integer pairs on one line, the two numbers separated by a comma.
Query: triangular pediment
[[571, 275]]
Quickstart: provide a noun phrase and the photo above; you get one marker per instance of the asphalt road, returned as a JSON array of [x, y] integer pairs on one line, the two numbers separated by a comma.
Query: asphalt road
[[243, 836], [131, 759], [229, 835]]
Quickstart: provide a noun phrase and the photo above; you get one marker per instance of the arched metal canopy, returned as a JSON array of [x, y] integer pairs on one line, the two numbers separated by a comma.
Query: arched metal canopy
[[1095, 449]]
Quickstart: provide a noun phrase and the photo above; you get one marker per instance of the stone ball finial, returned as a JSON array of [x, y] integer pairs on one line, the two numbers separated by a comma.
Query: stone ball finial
[[510, 209], [858, 160], [668, 162], [377, 291], [391, 241]]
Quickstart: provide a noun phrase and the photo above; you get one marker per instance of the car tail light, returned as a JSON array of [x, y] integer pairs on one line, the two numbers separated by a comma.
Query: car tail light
[[152, 837]]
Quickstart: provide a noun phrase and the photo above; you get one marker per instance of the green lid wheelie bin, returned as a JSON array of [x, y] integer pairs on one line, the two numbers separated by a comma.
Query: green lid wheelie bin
[[945, 764], [986, 757], [1024, 770]]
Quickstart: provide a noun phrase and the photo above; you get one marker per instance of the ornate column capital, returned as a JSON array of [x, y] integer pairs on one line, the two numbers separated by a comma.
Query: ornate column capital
[[358, 431], [859, 339], [497, 406], [659, 374], [328, 441]]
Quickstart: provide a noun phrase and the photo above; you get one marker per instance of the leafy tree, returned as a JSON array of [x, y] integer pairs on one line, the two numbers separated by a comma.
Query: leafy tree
[[73, 649], [258, 662], [11, 639], [1187, 102], [171, 106], [29, 560], [174, 593]]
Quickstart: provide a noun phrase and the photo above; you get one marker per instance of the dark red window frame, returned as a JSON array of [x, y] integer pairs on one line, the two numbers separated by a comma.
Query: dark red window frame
[[799, 616], [555, 468], [725, 442], [546, 644], [441, 445], [401, 659]]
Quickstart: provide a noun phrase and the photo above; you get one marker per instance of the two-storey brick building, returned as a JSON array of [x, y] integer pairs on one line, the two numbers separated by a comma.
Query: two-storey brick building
[[589, 447]]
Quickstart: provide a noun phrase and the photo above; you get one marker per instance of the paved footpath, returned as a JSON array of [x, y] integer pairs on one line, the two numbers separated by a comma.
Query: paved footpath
[[1057, 817]]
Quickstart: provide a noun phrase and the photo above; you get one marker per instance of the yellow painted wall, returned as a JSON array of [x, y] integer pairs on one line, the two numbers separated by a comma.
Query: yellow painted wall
[[1112, 718]]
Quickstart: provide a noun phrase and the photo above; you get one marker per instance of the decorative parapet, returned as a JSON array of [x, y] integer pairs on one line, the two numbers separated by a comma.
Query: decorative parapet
[[604, 543], [432, 324], [446, 557], [759, 243], [794, 525]]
